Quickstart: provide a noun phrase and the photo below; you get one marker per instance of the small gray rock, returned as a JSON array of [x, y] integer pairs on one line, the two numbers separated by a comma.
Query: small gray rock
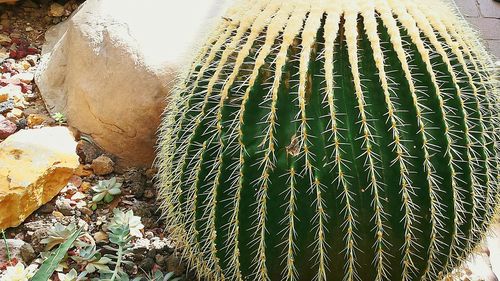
[[27, 253], [22, 123], [6, 106]]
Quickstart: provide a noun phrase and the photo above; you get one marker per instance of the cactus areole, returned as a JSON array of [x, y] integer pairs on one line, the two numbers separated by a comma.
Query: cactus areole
[[332, 140]]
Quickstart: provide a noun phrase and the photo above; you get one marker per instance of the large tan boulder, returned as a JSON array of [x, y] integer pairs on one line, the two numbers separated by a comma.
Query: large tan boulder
[[34, 166], [109, 68]]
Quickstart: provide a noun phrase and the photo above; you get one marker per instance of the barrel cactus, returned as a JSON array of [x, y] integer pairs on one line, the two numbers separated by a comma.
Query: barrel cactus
[[332, 140]]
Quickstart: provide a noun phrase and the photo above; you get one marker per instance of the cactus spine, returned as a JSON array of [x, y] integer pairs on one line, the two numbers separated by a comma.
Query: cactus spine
[[332, 140]]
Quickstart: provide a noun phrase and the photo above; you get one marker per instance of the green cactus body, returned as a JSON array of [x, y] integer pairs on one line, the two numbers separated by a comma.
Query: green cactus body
[[332, 140]]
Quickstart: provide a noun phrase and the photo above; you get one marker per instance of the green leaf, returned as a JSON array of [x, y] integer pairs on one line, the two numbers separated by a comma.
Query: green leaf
[[115, 191], [108, 198], [6, 245], [168, 276], [98, 197], [49, 266]]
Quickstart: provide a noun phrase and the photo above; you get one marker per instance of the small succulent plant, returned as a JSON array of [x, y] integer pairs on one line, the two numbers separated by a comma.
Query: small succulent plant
[[56, 258], [121, 231], [92, 260], [18, 272], [119, 235], [58, 234], [59, 118], [72, 275], [128, 218], [106, 190]]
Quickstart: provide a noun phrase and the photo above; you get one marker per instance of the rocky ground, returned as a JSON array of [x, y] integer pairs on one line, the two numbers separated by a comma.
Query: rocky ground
[[21, 37]]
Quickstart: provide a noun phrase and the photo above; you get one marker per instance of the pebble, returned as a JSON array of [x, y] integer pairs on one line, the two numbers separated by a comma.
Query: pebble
[[32, 59], [85, 186], [149, 193], [149, 234], [76, 181], [100, 236], [37, 236], [69, 189], [32, 226], [4, 54], [26, 65], [87, 151], [151, 172], [64, 206], [141, 246], [4, 96], [27, 253], [30, 97], [58, 215], [25, 77], [86, 211], [158, 243], [4, 39], [7, 128], [16, 112], [102, 165], [6, 106], [22, 123], [78, 196], [142, 209], [36, 120], [56, 10], [82, 172]]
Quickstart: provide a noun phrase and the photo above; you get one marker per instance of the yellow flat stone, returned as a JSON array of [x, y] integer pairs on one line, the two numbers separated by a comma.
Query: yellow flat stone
[[34, 166]]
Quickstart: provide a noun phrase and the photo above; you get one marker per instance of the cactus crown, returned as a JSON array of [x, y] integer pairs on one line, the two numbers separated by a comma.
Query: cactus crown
[[332, 140]]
